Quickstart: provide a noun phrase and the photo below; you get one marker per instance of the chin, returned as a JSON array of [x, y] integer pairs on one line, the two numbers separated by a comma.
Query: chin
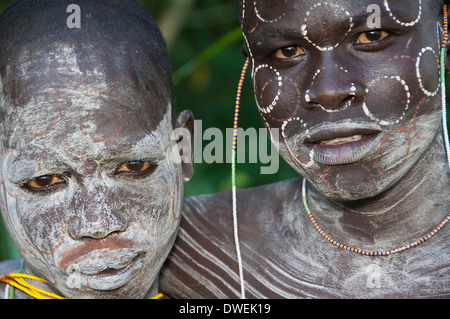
[[130, 291], [345, 183]]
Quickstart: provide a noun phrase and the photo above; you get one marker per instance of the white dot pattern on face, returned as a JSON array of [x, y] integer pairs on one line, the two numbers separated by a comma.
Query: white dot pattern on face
[[310, 162], [307, 97], [408, 101], [304, 27], [269, 108], [262, 18], [368, 113], [406, 24], [419, 77]]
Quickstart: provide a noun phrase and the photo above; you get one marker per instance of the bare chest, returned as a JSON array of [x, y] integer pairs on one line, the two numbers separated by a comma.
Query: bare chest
[[320, 270]]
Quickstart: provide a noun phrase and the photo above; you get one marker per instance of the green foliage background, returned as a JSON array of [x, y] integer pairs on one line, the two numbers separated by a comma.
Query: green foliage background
[[204, 42]]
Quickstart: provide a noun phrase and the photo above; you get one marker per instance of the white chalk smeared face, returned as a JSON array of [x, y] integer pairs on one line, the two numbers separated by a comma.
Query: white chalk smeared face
[[356, 103], [89, 193]]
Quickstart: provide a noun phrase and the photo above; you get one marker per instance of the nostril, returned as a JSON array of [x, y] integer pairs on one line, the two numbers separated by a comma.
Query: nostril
[[333, 101], [348, 100], [97, 224]]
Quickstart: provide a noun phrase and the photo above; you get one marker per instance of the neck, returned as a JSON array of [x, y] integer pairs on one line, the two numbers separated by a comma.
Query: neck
[[405, 212]]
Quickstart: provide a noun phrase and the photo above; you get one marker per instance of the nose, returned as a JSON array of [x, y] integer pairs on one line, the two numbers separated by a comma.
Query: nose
[[332, 89], [96, 216]]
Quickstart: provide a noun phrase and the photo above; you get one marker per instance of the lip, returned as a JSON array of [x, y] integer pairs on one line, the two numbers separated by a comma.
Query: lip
[[114, 277], [105, 264], [343, 143]]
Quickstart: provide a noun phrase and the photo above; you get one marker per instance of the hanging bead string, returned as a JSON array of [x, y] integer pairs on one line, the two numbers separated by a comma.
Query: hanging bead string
[[443, 86], [362, 251], [233, 178]]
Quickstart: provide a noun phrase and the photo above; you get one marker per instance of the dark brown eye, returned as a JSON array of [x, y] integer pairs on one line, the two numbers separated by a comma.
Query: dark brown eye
[[43, 183], [371, 36], [135, 168], [288, 52]]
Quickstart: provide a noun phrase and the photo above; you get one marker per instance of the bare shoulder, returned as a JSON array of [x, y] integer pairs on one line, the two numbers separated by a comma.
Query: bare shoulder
[[252, 204], [203, 260]]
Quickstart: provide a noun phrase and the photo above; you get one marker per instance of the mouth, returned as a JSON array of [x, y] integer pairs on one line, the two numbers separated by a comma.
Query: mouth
[[112, 278], [105, 271], [342, 144], [342, 140]]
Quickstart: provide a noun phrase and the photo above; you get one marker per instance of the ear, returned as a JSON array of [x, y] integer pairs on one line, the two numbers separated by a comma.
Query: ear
[[185, 142], [244, 50], [246, 54]]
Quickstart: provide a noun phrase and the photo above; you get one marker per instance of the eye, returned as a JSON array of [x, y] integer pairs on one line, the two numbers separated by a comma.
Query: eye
[[289, 52], [371, 36], [44, 183], [135, 168]]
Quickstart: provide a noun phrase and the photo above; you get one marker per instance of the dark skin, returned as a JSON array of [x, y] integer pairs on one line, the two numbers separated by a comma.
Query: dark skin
[[91, 192], [358, 114]]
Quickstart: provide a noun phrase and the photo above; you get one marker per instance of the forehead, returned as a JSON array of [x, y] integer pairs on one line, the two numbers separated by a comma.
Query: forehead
[[67, 94], [259, 13]]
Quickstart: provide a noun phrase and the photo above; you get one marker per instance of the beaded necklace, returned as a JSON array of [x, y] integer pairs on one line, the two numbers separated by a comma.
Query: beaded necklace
[[362, 251]]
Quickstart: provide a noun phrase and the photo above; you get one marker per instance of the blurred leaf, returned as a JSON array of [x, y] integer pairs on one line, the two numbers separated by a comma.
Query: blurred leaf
[[205, 56], [7, 249]]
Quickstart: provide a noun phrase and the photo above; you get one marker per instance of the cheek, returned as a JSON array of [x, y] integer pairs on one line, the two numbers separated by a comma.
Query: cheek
[[161, 212], [268, 85], [279, 100], [37, 230], [393, 151], [388, 101], [427, 71], [44, 229], [293, 131]]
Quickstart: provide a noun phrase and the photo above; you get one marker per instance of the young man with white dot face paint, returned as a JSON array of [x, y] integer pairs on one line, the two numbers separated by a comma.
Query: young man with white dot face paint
[[358, 114], [90, 189]]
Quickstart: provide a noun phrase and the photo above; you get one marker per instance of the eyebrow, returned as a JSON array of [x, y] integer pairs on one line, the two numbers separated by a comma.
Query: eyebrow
[[21, 167], [267, 34], [361, 18]]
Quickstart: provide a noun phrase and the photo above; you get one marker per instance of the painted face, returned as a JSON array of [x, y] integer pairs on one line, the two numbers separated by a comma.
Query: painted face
[[89, 191], [355, 102]]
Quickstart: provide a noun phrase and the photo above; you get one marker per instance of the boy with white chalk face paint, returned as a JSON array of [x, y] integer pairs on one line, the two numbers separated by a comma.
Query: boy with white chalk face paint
[[358, 114], [90, 190]]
